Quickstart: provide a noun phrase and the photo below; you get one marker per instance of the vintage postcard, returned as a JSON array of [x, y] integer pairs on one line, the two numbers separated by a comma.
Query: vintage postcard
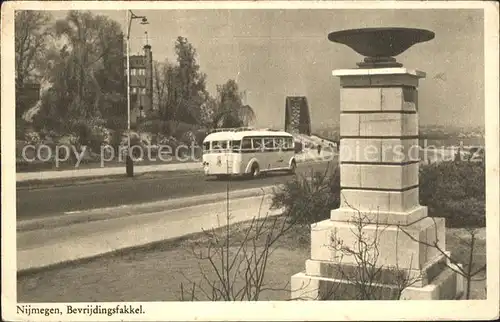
[[302, 160]]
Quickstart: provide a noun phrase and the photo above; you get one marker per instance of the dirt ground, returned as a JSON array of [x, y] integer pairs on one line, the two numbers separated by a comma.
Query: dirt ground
[[156, 272]]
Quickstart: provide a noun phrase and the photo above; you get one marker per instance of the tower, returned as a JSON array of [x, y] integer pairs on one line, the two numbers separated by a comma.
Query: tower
[[297, 119], [141, 84]]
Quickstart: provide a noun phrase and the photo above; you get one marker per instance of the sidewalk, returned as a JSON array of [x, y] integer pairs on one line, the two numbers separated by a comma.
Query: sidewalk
[[100, 172], [42, 248], [307, 156]]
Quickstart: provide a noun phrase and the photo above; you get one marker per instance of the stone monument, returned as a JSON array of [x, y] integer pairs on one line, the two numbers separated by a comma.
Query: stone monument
[[379, 213]]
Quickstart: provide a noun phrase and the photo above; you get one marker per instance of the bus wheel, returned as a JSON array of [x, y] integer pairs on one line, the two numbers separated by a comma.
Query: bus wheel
[[293, 167], [255, 170]]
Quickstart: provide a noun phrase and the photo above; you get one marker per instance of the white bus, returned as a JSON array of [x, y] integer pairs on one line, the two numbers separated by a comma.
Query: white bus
[[248, 152]]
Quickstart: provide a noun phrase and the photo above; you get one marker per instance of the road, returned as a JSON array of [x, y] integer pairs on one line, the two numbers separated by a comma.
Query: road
[[51, 201]]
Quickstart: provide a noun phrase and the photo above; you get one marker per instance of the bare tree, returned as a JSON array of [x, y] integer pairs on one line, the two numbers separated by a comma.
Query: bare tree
[[468, 270], [369, 279], [237, 266]]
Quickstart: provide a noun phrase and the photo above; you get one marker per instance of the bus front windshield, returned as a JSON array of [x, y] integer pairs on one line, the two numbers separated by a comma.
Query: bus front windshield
[[235, 146]]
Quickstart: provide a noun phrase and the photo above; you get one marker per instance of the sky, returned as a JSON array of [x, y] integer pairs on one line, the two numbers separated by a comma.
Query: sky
[[277, 53]]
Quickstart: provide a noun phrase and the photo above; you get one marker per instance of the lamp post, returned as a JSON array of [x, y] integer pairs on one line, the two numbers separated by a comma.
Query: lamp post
[[129, 164]]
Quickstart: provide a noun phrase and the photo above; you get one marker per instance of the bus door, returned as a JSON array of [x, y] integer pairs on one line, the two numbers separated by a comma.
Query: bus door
[[220, 148], [270, 154], [279, 144]]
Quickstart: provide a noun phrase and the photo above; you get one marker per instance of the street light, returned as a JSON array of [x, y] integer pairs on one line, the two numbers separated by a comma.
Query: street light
[[129, 164]]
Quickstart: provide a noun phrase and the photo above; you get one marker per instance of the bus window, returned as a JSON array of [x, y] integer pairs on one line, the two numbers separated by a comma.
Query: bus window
[[257, 143], [206, 146], [268, 143], [289, 143], [219, 145], [246, 144], [279, 143], [235, 146]]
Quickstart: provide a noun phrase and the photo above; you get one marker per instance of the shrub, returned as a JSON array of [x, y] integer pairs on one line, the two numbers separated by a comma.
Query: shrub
[[153, 126], [200, 136], [308, 199], [452, 190], [455, 191]]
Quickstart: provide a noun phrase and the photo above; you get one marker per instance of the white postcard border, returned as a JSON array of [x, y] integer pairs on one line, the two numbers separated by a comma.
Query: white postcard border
[[263, 311]]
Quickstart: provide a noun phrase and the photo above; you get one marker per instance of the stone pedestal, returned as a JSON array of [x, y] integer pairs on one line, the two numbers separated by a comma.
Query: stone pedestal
[[380, 243]]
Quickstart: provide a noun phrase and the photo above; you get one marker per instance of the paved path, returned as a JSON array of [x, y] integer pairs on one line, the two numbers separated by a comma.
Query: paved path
[[106, 171], [51, 201], [45, 247]]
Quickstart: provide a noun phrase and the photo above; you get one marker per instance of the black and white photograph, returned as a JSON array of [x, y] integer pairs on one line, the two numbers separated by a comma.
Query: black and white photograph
[[327, 160]]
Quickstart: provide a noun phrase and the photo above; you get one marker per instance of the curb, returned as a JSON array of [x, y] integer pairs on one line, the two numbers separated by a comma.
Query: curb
[[88, 175], [90, 215], [105, 171]]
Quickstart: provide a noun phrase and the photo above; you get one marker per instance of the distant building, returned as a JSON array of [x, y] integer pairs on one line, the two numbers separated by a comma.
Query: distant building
[[141, 84]]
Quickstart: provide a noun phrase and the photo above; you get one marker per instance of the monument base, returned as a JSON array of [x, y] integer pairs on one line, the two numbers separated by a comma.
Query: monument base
[[368, 261], [448, 285]]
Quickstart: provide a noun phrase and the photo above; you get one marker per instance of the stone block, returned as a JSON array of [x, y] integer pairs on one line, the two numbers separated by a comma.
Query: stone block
[[378, 80], [461, 281], [400, 150], [398, 246], [384, 176], [384, 274], [360, 150], [360, 99], [379, 150], [410, 175], [443, 287], [410, 99], [404, 218], [372, 200], [349, 124], [405, 200], [436, 235], [321, 236], [306, 287], [432, 269], [350, 175], [303, 287], [410, 123], [393, 100], [378, 77], [327, 289], [365, 200], [387, 124]]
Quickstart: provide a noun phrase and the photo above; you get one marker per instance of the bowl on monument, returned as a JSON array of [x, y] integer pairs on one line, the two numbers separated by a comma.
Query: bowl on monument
[[380, 45]]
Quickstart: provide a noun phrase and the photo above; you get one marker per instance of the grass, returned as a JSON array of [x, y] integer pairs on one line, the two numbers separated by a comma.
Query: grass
[[155, 272]]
